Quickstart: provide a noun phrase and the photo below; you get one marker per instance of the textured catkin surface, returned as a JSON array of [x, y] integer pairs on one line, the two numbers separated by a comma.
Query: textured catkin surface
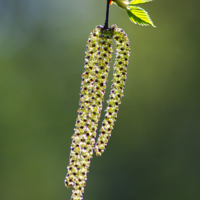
[[97, 58], [117, 88]]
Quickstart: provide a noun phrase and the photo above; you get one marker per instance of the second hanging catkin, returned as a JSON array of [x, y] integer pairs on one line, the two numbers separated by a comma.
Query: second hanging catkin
[[117, 88]]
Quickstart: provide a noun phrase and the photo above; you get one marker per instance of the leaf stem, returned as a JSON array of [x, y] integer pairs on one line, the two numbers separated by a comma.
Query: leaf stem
[[107, 15]]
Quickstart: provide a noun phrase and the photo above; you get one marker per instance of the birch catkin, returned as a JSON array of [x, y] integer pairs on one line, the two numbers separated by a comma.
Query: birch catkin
[[97, 58], [94, 78], [117, 88]]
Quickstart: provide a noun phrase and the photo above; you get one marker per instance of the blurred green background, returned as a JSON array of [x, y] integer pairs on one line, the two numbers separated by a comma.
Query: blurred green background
[[154, 151]]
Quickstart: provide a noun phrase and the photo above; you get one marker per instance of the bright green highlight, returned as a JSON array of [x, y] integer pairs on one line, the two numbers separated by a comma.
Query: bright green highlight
[[134, 2]]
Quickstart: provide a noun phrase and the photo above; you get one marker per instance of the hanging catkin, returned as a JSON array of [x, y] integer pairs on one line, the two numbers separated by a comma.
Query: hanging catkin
[[117, 88], [97, 58]]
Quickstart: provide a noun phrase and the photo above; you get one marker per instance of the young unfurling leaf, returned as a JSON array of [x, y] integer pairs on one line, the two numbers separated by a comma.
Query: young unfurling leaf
[[136, 14], [139, 16]]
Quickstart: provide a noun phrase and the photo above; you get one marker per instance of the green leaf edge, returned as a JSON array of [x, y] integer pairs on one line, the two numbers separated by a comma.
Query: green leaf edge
[[137, 20]]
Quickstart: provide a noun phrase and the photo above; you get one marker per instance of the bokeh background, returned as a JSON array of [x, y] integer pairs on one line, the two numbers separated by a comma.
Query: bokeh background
[[154, 151]]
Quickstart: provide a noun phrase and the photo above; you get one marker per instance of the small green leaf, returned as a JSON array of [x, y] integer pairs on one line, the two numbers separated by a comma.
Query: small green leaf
[[139, 16], [134, 2]]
